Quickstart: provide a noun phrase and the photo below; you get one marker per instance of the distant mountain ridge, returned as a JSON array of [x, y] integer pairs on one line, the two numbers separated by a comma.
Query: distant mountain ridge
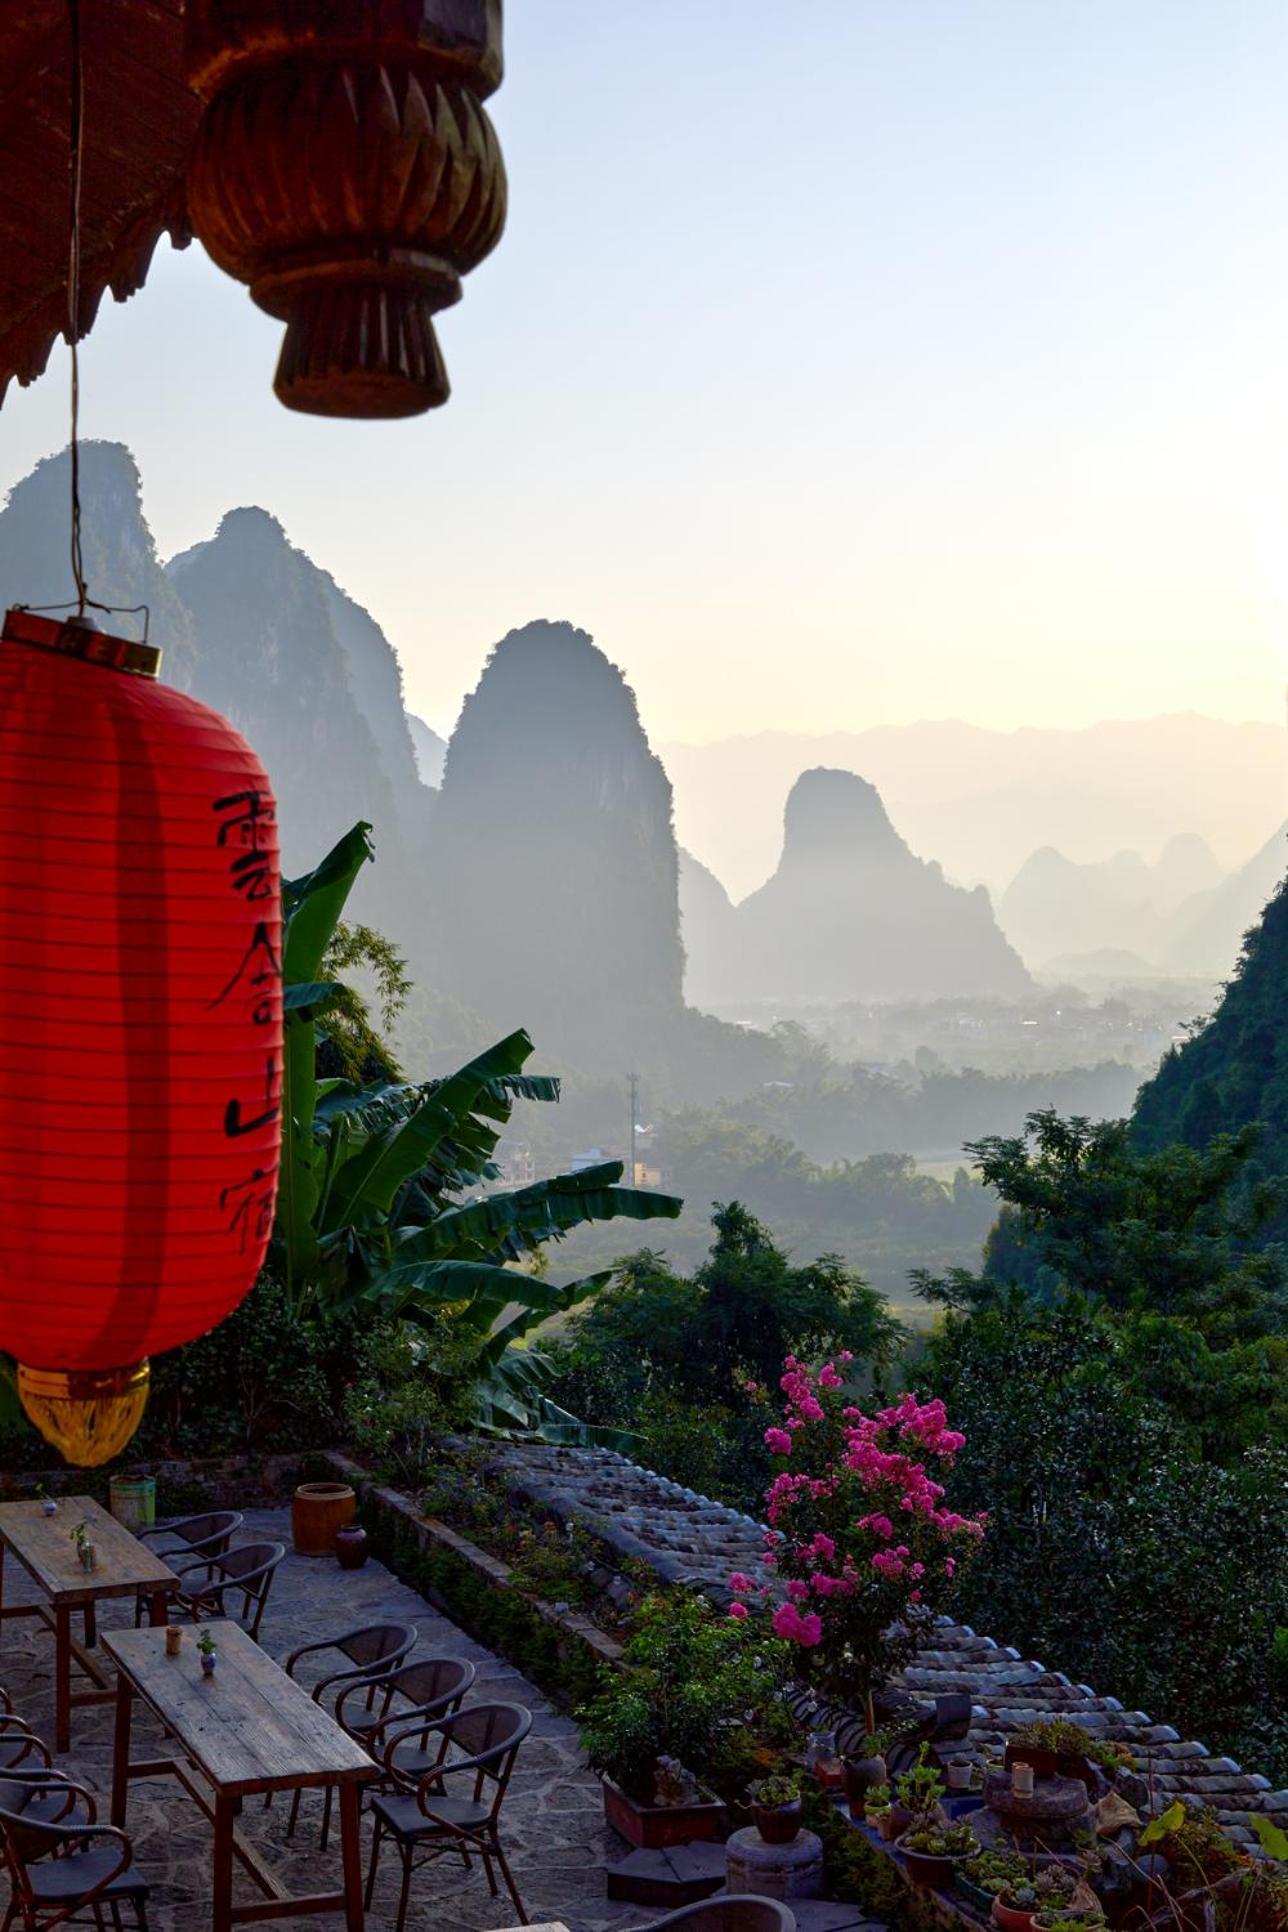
[[1055, 907], [982, 801], [850, 913]]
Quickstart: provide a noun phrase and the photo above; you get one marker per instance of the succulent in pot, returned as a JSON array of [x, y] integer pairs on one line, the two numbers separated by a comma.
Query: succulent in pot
[[881, 1812], [933, 1850], [981, 1878], [1067, 1921], [1014, 1906], [919, 1790], [776, 1807]]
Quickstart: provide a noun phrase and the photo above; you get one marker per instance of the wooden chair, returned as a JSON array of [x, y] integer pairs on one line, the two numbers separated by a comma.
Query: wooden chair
[[206, 1535], [59, 1866], [248, 1570], [736, 1912], [373, 1652], [429, 1819]]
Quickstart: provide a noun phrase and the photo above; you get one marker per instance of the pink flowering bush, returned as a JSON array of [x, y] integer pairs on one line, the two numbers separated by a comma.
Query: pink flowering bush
[[865, 1552]]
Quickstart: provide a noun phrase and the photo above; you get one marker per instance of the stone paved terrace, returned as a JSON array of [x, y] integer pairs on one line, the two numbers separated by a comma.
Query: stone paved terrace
[[553, 1818], [686, 1535]]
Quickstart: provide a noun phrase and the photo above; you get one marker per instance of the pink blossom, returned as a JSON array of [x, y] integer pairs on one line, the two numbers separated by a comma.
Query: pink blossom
[[829, 1379], [797, 1589], [741, 1582], [806, 1631], [738, 1611], [778, 1442]]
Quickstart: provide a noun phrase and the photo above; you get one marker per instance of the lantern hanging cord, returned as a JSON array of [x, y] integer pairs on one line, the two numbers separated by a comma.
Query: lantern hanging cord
[[75, 157], [92, 603]]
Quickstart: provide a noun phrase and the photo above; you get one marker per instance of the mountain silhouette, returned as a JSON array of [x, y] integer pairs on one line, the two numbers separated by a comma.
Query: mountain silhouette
[[1054, 907], [553, 869], [430, 750], [120, 559], [852, 913], [708, 925], [310, 678], [1204, 934], [982, 800]]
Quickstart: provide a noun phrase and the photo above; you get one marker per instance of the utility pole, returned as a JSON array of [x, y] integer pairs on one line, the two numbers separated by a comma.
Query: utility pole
[[632, 1101]]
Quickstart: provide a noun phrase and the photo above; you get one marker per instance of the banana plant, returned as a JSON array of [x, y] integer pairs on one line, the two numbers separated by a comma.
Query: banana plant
[[380, 1205]]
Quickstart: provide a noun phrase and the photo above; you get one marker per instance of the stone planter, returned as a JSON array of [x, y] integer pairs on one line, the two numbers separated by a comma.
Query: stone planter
[[318, 1510], [654, 1827], [778, 1824], [789, 1871]]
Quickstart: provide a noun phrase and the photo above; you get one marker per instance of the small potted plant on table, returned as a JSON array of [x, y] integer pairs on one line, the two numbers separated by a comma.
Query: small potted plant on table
[[48, 1504], [934, 1850], [208, 1652], [776, 1808], [86, 1548]]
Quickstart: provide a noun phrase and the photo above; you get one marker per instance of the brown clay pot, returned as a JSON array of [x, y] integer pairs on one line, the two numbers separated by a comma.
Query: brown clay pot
[[778, 1824], [1009, 1918], [318, 1510], [351, 1547], [861, 1774]]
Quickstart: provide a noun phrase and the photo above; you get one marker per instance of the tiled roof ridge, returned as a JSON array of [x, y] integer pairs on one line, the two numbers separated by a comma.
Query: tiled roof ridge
[[682, 1534]]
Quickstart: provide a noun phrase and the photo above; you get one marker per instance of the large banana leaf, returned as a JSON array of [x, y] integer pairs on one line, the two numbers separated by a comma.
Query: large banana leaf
[[311, 908], [511, 1401], [370, 1180], [516, 1223]]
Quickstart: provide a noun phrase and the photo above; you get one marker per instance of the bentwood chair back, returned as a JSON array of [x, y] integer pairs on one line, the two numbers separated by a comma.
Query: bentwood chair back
[[455, 1807]]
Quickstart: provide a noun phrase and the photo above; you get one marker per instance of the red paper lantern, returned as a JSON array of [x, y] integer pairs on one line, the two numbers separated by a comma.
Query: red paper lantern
[[140, 1023]]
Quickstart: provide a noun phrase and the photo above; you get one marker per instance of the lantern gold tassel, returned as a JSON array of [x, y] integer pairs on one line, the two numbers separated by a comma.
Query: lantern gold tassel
[[88, 1414]]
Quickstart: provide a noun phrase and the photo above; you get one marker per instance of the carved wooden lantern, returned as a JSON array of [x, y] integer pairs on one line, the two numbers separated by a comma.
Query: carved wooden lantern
[[345, 169]]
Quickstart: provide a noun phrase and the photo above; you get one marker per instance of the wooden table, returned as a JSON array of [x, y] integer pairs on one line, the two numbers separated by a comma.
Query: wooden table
[[44, 1547], [247, 1729]]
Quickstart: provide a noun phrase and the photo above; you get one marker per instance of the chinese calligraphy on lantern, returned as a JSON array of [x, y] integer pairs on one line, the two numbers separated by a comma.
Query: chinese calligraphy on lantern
[[245, 822]]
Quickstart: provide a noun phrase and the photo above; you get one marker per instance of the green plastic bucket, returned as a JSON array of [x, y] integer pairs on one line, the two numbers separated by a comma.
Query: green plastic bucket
[[134, 1501]]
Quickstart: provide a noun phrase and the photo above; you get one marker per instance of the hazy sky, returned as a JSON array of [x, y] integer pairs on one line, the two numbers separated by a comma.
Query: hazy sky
[[843, 363]]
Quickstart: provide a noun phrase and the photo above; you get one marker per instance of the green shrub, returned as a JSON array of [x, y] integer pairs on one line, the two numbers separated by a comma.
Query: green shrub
[[692, 1687]]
